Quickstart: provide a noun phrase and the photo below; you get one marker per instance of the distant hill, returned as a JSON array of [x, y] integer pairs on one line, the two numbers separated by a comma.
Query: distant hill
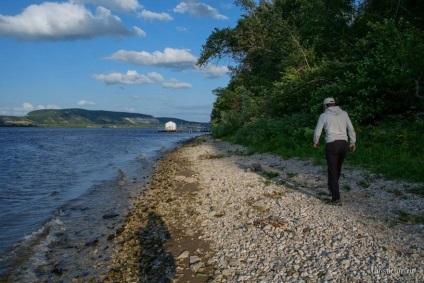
[[77, 116], [164, 120], [85, 118]]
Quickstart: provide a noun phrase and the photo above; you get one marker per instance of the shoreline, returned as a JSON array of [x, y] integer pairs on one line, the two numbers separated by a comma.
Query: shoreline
[[214, 214]]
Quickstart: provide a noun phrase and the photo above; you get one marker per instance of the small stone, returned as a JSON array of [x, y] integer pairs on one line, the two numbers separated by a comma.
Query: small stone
[[196, 267], [328, 276], [180, 178], [183, 255], [194, 259], [58, 269], [233, 263], [345, 262], [226, 272], [331, 255], [189, 180]]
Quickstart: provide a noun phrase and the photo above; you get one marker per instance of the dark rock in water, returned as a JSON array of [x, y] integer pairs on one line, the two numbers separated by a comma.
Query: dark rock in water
[[120, 230], [92, 242], [111, 237], [58, 269], [110, 215]]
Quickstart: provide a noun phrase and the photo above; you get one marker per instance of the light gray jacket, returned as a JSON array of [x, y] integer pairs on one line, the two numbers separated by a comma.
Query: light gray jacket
[[337, 126]]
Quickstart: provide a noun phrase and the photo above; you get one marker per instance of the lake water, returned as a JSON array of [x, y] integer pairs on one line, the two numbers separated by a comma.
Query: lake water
[[55, 180]]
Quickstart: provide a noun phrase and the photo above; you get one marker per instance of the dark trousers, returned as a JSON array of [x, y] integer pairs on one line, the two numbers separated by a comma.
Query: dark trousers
[[335, 153]]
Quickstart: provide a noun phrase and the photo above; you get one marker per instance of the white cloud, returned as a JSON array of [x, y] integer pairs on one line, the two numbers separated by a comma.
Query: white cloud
[[152, 16], [114, 5], [139, 31], [169, 58], [48, 106], [198, 9], [85, 102], [27, 106], [51, 21], [174, 84], [130, 78], [212, 71]]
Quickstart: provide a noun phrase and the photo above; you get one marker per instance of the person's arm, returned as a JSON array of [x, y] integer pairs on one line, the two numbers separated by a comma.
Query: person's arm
[[318, 130], [352, 134]]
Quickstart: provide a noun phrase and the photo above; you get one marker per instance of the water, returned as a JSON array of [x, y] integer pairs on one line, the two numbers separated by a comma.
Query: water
[[54, 180]]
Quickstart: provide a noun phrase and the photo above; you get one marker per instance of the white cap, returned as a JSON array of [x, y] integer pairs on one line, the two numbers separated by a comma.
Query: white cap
[[329, 100]]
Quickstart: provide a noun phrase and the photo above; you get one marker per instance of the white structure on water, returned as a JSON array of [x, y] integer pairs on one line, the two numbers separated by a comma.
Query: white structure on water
[[170, 126]]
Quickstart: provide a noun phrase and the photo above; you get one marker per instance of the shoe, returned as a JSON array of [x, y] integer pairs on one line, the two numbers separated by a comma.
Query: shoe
[[336, 202]]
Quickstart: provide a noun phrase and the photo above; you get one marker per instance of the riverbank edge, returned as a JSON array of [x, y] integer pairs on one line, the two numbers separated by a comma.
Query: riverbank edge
[[154, 243], [163, 235]]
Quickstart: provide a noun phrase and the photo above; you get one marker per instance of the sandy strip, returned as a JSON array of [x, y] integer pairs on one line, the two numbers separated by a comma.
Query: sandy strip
[[214, 214]]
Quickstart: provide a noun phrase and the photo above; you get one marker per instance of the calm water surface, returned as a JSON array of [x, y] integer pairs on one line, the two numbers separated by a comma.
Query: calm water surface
[[51, 178]]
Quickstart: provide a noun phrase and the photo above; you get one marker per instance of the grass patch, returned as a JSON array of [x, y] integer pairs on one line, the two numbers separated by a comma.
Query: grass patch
[[419, 190], [270, 174], [239, 152], [405, 217], [396, 192], [393, 148], [291, 175], [346, 187], [267, 182], [364, 183]]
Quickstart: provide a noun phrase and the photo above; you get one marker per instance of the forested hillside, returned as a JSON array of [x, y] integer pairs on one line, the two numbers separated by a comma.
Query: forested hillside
[[288, 55], [95, 118]]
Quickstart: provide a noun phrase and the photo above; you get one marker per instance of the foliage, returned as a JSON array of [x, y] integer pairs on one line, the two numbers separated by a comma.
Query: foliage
[[288, 55]]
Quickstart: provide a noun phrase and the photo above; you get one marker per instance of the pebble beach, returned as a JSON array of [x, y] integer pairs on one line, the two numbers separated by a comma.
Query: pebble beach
[[214, 213]]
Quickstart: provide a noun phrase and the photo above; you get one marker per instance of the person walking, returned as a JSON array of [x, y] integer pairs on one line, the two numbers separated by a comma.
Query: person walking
[[339, 132]]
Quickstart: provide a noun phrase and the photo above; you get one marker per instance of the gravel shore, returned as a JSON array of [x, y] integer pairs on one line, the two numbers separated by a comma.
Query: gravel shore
[[212, 213]]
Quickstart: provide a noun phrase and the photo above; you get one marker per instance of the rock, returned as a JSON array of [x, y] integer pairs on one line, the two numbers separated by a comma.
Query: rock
[[226, 272], [183, 255], [331, 255], [196, 267], [58, 269], [233, 263], [328, 276], [180, 178], [194, 259], [110, 215], [189, 180], [92, 242], [345, 262]]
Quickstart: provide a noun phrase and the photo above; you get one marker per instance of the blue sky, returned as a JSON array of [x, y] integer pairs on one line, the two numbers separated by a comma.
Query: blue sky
[[116, 55]]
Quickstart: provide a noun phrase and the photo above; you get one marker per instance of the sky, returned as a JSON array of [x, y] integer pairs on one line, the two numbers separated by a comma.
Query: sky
[[116, 55]]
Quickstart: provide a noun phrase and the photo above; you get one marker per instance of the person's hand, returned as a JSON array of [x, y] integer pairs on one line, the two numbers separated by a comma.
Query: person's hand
[[316, 145], [352, 148]]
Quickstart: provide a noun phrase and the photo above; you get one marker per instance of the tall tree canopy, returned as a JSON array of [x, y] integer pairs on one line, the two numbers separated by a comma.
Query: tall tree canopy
[[290, 54]]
